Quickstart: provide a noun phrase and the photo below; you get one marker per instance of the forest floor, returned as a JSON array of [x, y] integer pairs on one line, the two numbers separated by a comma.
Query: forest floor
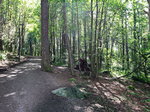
[[25, 88]]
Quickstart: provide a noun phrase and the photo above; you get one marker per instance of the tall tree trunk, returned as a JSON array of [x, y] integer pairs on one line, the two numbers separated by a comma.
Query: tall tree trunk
[[19, 37], [148, 1], [22, 37], [100, 41], [123, 43], [60, 42], [126, 42], [45, 52], [66, 37], [78, 27], [54, 43], [64, 42], [1, 24], [73, 30], [134, 56], [91, 43], [149, 18], [31, 48], [95, 59], [85, 38]]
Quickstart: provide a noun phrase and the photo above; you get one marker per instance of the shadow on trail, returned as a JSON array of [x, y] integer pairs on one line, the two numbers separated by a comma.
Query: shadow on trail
[[16, 72], [112, 96]]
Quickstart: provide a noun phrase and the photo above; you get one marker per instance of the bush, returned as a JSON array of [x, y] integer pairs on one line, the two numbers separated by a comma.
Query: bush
[[3, 56], [141, 78]]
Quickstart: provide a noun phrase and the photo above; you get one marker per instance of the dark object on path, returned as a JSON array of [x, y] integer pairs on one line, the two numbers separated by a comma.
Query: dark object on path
[[3, 70], [83, 66], [106, 72]]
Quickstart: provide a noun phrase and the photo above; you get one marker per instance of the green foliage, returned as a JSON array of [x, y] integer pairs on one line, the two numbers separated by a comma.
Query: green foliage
[[59, 63], [147, 100], [141, 78], [3, 56], [147, 109], [134, 94], [73, 80], [131, 87]]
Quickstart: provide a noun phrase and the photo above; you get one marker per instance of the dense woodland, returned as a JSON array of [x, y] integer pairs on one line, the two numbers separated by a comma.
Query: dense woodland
[[112, 36]]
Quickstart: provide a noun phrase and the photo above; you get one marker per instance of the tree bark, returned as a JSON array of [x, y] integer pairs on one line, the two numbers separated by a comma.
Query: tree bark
[[65, 36], [148, 1], [100, 41], [85, 38], [95, 57], [1, 42], [123, 43], [134, 56], [22, 36], [73, 30], [126, 43], [45, 53], [78, 27], [19, 45], [91, 43]]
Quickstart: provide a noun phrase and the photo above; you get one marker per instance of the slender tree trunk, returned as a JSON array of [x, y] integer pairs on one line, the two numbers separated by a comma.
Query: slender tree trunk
[[19, 45], [65, 36], [135, 36], [45, 63], [148, 1], [1, 25], [78, 27], [60, 42], [126, 41], [100, 41], [112, 46], [31, 48], [149, 19], [95, 57], [54, 42], [22, 38], [85, 38], [91, 43], [91, 33], [123, 43], [105, 34], [57, 42], [64, 40], [73, 30]]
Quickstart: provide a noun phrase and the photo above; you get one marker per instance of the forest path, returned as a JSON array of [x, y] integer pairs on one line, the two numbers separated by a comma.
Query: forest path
[[25, 88]]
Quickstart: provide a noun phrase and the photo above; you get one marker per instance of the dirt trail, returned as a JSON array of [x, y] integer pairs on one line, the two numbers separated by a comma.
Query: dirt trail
[[26, 88]]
